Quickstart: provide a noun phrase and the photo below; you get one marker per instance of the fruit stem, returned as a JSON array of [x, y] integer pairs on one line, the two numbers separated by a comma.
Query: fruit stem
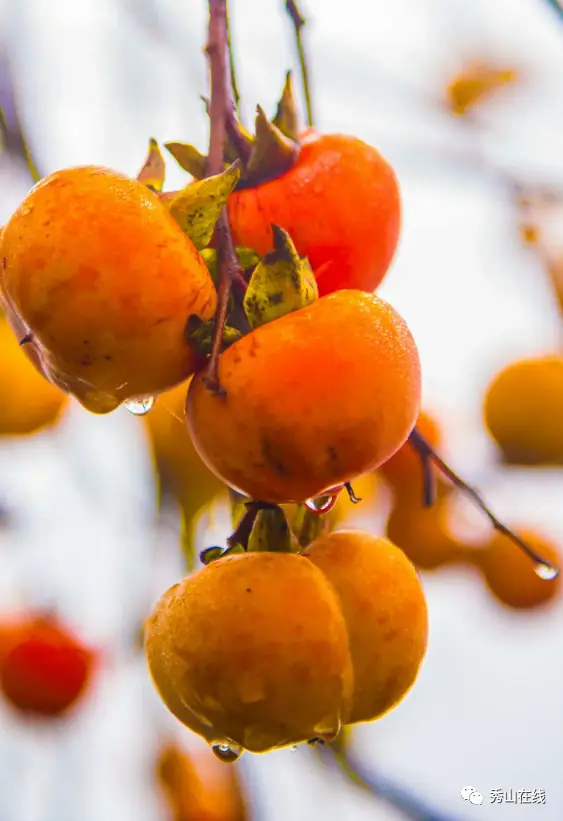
[[220, 106], [298, 22], [242, 532], [429, 456]]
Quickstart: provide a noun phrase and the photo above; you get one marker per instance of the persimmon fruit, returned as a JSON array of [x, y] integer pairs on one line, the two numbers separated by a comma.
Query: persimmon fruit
[[423, 533], [384, 607], [94, 267], [252, 650], [312, 400], [510, 574], [45, 669], [341, 205], [29, 403], [523, 410]]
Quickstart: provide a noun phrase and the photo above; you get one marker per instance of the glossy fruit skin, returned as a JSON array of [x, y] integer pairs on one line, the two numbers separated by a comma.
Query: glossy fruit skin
[[385, 610], [510, 574], [252, 648], [403, 471], [523, 411], [313, 399], [340, 204], [45, 669], [96, 268], [29, 403]]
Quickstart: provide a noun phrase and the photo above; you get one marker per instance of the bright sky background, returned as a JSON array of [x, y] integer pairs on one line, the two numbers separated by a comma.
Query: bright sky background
[[96, 78]]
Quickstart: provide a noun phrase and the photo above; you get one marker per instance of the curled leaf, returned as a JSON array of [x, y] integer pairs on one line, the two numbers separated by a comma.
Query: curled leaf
[[271, 533], [153, 171], [196, 208], [210, 554], [286, 117], [281, 283], [272, 152], [188, 158]]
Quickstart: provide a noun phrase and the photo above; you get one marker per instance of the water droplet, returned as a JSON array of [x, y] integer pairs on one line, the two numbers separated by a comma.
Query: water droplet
[[140, 407], [226, 751], [26, 210], [546, 571], [322, 504]]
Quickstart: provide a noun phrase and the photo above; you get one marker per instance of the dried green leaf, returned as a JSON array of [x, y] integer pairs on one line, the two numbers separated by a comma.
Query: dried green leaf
[[196, 208], [281, 283], [237, 503], [286, 118], [272, 153], [153, 171], [189, 158], [199, 333], [210, 554], [271, 533]]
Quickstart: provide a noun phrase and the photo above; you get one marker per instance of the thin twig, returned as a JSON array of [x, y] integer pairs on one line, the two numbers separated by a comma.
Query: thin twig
[[380, 787], [429, 455], [232, 68], [220, 103], [298, 22]]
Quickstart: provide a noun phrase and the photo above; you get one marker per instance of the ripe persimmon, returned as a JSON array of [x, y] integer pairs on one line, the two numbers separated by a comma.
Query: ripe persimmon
[[45, 669], [423, 533], [252, 651], [312, 399], [385, 611], [523, 411], [97, 271], [340, 203], [29, 402], [197, 786], [403, 471], [510, 574]]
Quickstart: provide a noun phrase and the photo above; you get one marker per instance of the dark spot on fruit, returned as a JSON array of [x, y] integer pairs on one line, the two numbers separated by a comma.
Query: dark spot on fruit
[[332, 454], [85, 341], [108, 357], [272, 459], [161, 320], [248, 590], [86, 360]]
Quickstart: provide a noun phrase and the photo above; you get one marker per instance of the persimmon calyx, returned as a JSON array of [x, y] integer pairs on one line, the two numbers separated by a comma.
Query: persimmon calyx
[[268, 153], [281, 283], [307, 525], [153, 172], [196, 208], [271, 533], [199, 333]]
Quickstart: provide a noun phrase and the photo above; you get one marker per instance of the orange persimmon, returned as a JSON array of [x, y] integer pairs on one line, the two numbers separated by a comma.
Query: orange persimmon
[[340, 203], [97, 271], [312, 399]]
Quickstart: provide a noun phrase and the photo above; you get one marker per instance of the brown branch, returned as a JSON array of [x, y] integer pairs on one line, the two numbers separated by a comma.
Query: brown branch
[[429, 456], [220, 104], [298, 22]]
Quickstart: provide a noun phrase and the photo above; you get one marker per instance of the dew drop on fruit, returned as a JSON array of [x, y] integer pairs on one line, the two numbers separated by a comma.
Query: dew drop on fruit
[[546, 571], [226, 751], [140, 407], [322, 504]]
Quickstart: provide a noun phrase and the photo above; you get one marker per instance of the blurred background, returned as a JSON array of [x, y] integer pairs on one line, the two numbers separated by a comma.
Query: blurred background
[[465, 101]]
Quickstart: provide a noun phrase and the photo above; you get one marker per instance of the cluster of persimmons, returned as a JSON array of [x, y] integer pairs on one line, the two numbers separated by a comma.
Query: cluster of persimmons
[[112, 291]]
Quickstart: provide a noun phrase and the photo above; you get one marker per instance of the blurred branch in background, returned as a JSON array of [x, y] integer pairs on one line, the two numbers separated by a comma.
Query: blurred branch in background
[[557, 7], [12, 136], [338, 755]]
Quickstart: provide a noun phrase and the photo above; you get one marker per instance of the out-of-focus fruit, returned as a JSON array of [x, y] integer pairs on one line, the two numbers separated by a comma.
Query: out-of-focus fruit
[[523, 411], [474, 83]]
